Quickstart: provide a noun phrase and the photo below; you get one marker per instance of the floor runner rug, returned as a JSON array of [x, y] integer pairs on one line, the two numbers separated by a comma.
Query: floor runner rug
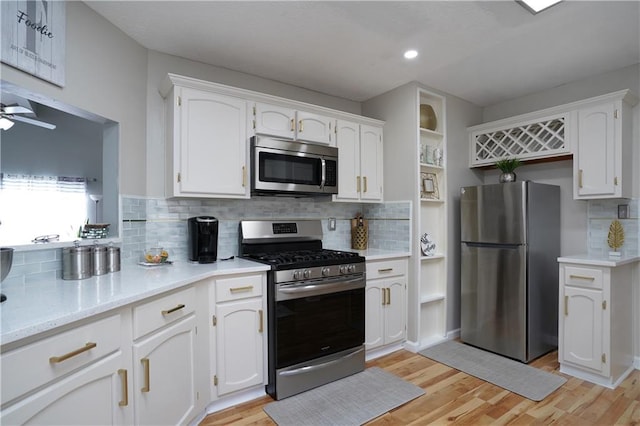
[[353, 400], [530, 382]]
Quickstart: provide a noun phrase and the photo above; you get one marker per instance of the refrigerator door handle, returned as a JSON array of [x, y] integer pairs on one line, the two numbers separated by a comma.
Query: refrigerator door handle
[[490, 245]]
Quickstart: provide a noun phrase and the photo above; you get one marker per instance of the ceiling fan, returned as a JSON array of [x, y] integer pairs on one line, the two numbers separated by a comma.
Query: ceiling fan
[[11, 113]]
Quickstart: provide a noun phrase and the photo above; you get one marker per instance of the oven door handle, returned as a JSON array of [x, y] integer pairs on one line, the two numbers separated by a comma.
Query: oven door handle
[[310, 368], [318, 289]]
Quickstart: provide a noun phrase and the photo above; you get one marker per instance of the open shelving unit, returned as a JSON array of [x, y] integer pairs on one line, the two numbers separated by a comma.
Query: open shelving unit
[[431, 276]]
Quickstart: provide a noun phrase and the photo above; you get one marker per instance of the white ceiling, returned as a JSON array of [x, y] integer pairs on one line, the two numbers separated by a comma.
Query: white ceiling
[[482, 51]]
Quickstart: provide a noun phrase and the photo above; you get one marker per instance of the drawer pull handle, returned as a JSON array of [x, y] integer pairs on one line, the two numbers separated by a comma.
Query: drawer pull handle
[[145, 365], [582, 277], [241, 289], [57, 359], [301, 125], [385, 270], [125, 388], [261, 315], [172, 310]]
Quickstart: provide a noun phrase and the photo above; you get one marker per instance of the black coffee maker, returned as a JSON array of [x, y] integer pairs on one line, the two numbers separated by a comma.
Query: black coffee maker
[[203, 239]]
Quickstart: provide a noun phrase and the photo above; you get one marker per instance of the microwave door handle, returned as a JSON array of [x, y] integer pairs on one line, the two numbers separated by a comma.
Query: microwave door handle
[[323, 177]]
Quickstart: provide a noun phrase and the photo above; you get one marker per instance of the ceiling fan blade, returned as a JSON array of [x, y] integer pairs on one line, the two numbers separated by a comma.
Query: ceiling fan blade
[[16, 109], [32, 121]]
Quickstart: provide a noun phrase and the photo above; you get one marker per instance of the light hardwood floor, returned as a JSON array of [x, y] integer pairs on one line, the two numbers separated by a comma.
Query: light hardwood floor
[[453, 397]]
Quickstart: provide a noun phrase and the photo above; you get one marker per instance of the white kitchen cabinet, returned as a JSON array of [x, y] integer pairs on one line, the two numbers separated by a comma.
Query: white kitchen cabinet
[[603, 149], [239, 326], [97, 394], [595, 322], [360, 162], [165, 367], [385, 303], [206, 154], [284, 122], [80, 376]]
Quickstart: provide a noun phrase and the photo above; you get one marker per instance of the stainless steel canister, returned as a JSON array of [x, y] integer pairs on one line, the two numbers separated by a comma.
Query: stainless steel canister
[[77, 263], [99, 254], [113, 259]]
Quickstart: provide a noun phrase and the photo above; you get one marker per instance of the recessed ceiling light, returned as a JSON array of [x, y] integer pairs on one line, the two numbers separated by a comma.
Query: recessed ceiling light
[[535, 6], [410, 54]]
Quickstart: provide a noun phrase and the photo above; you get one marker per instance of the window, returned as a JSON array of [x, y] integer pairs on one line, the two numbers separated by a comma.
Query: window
[[46, 205]]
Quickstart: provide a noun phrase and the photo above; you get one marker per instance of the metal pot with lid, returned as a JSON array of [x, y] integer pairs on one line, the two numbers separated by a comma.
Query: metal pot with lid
[[77, 262]]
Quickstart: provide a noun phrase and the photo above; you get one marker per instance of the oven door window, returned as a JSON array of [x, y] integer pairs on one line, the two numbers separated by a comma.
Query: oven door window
[[315, 326], [281, 168]]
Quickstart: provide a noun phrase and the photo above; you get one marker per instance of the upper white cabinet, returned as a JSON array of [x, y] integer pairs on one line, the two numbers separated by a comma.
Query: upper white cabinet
[[207, 144], [530, 136], [289, 123], [603, 151], [360, 153]]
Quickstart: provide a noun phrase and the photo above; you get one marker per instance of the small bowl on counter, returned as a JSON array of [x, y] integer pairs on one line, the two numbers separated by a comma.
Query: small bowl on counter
[[155, 255]]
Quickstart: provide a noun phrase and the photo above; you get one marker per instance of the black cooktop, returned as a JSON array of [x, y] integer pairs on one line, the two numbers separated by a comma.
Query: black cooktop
[[306, 258]]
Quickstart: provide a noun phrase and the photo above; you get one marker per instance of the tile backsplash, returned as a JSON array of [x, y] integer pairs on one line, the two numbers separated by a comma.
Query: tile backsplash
[[162, 222], [600, 214]]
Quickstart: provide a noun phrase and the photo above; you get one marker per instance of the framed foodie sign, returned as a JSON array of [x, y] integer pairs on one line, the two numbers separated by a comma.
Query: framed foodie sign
[[33, 38]]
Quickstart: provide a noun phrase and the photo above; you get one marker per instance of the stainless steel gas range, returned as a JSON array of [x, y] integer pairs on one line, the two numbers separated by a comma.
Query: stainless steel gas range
[[315, 305]]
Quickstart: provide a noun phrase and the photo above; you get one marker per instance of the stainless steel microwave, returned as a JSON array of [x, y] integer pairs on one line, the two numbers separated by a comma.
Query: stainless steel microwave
[[281, 167]]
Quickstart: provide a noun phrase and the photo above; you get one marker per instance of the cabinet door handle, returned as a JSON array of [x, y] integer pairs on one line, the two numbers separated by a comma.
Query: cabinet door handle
[[385, 270], [57, 359], [293, 124], [145, 366], [244, 176], [358, 184], [364, 180], [125, 388], [172, 310], [582, 277], [241, 289], [261, 315], [300, 126], [388, 296], [580, 178], [384, 296], [566, 305]]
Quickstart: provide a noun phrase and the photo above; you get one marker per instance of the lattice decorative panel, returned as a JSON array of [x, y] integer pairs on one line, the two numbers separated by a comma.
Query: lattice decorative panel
[[532, 140]]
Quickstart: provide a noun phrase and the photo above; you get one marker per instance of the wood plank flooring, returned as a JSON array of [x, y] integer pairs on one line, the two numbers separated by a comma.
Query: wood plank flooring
[[453, 397]]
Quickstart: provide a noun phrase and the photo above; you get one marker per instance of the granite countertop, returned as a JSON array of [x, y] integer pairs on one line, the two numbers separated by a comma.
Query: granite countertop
[[35, 308], [586, 259]]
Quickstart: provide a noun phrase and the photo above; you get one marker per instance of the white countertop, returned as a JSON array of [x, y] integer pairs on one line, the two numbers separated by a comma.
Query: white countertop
[[36, 308], [585, 259], [377, 254]]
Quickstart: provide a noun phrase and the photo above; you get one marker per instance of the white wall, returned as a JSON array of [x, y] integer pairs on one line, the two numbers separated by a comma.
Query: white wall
[[106, 74]]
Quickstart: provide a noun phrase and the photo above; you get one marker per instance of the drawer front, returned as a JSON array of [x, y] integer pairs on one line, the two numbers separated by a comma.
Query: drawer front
[[36, 364], [238, 287], [156, 314], [583, 277], [386, 268]]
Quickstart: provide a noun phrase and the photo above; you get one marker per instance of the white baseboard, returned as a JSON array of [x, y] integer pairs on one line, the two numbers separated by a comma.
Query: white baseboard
[[636, 363], [382, 351], [230, 401]]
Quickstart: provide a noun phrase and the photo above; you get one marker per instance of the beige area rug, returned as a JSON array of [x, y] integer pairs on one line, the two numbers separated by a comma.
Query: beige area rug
[[530, 382], [353, 400]]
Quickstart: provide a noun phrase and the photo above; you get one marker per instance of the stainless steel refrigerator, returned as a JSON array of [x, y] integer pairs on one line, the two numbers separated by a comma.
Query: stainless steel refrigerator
[[510, 242]]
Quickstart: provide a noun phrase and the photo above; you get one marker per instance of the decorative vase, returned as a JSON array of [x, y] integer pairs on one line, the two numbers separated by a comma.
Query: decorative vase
[[507, 177], [428, 118]]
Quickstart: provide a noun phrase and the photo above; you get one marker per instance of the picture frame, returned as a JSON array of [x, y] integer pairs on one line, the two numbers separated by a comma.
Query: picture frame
[[429, 186]]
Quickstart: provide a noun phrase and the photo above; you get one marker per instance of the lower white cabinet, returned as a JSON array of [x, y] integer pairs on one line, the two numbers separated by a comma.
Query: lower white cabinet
[[164, 374], [385, 304], [239, 327], [595, 336], [97, 394]]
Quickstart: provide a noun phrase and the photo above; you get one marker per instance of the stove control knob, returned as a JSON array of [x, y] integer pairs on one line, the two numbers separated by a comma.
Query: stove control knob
[[307, 273], [343, 269], [326, 272], [297, 275], [351, 269]]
